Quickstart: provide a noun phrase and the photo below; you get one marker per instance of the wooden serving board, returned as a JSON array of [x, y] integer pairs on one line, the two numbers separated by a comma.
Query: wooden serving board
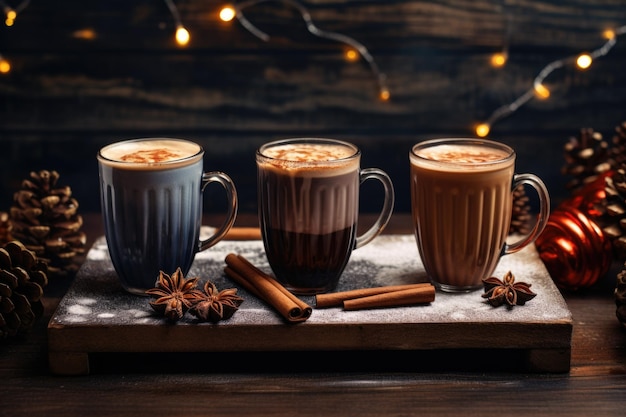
[[97, 316]]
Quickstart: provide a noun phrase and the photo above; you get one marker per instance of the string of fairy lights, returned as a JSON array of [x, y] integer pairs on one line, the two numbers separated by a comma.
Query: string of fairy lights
[[10, 14], [355, 51], [538, 89], [355, 48]]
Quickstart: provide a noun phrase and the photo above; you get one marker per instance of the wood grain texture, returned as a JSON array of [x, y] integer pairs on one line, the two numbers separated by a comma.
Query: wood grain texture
[[288, 385], [230, 91], [97, 316]]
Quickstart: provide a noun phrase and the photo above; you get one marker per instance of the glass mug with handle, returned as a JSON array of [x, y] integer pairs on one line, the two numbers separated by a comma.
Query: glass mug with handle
[[308, 191], [151, 195], [461, 200]]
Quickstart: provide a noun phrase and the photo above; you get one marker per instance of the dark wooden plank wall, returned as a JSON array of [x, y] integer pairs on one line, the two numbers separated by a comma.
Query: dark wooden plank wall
[[66, 97]]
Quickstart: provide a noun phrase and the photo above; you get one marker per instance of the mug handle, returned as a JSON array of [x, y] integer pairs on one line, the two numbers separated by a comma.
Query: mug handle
[[231, 194], [544, 211], [385, 214]]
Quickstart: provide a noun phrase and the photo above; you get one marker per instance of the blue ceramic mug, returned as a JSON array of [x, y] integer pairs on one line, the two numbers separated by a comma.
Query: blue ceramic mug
[[151, 195]]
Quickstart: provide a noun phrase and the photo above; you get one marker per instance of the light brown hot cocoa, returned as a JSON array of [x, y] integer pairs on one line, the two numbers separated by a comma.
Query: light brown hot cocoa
[[461, 202]]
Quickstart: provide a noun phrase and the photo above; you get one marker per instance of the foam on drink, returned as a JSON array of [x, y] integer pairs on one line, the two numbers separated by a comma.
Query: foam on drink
[[150, 153], [309, 159], [467, 156]]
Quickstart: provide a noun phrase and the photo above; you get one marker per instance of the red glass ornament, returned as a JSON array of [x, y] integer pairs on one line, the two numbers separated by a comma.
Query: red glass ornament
[[573, 246]]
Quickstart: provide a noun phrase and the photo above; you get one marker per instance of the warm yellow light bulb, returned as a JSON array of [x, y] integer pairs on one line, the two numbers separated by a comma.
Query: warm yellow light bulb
[[498, 59], [351, 55], [541, 91], [609, 34], [87, 34], [5, 66], [11, 14], [584, 61], [8, 22], [384, 95], [182, 36], [227, 13], [482, 130]]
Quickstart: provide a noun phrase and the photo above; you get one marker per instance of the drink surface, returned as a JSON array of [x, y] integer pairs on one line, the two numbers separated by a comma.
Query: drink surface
[[308, 152], [310, 159], [150, 153], [461, 157]]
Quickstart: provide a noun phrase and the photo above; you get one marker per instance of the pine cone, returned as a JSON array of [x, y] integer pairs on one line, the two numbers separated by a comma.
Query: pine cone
[[620, 297], [615, 208], [520, 219], [586, 156], [616, 194], [5, 228], [618, 146], [44, 218], [22, 279]]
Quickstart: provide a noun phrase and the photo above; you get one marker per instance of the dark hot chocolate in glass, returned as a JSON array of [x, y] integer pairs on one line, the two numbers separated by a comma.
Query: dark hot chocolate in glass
[[308, 208]]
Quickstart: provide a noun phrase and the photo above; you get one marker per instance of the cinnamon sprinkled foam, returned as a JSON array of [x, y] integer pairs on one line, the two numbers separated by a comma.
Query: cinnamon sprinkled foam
[[310, 159], [307, 152], [146, 153], [462, 154]]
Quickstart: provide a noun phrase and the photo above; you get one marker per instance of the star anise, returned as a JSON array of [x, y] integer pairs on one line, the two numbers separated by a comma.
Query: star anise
[[174, 295], [216, 305], [498, 292]]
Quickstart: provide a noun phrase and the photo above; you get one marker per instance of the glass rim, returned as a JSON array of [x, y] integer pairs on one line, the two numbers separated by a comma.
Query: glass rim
[[463, 141], [186, 160], [356, 152]]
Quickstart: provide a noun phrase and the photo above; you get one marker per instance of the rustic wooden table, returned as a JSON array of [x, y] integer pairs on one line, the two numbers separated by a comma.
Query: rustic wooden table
[[356, 383]]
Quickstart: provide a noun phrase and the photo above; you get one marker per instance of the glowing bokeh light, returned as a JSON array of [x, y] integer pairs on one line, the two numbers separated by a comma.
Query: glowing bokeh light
[[227, 13], [182, 36], [584, 61], [482, 130], [498, 59]]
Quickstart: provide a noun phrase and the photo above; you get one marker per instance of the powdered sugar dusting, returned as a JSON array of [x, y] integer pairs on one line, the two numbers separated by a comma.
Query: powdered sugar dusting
[[97, 312], [387, 260]]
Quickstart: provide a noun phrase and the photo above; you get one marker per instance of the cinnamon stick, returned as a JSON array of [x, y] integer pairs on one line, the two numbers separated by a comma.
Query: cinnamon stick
[[243, 233], [266, 288], [419, 295], [336, 299]]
